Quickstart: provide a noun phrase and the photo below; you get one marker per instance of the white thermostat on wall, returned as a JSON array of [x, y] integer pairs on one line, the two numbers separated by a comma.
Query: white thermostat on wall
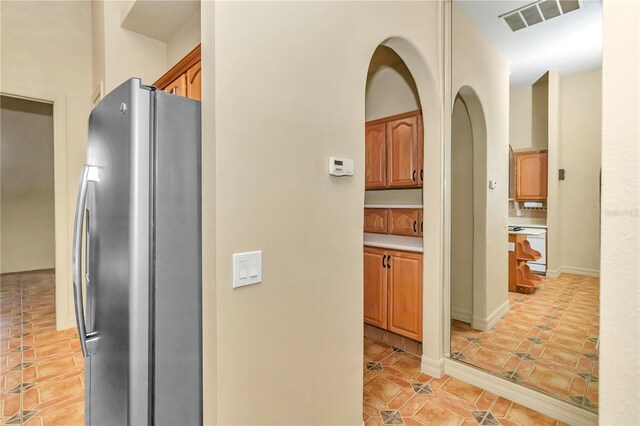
[[340, 166]]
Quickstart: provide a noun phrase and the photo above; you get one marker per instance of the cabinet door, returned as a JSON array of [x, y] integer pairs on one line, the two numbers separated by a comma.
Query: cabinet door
[[375, 220], [405, 294], [375, 287], [178, 86], [374, 156], [531, 176], [420, 150], [404, 222], [194, 82], [402, 152]]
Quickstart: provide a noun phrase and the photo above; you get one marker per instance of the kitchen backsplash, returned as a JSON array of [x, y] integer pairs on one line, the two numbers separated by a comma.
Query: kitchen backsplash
[[527, 212]]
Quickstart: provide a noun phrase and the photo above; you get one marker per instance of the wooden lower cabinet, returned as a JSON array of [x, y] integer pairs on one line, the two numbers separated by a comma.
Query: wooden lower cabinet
[[393, 291], [375, 287]]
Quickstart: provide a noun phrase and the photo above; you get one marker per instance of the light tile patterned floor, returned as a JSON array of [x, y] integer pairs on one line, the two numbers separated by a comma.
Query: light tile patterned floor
[[547, 341], [396, 392], [42, 369]]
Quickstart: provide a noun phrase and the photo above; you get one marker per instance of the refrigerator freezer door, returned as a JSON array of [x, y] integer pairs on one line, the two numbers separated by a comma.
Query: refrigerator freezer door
[[116, 373], [177, 334]]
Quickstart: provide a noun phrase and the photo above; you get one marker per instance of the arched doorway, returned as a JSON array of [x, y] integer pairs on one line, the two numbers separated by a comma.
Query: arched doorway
[[468, 210]]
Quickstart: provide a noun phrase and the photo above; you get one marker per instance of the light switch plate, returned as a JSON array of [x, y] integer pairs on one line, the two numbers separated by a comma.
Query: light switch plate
[[247, 268]]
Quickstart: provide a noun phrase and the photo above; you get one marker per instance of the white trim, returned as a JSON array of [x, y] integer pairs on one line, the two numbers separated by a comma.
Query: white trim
[[573, 270], [62, 260], [432, 367], [489, 322], [461, 315], [543, 403]]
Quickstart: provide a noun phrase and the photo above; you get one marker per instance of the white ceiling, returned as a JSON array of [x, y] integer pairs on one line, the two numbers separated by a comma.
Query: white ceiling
[[158, 19], [570, 43]]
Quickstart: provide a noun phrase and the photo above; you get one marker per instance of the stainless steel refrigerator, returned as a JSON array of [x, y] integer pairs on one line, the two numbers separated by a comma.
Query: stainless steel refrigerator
[[137, 247]]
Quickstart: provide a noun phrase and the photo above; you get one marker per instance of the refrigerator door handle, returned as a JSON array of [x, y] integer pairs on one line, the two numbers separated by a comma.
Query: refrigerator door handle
[[76, 257]]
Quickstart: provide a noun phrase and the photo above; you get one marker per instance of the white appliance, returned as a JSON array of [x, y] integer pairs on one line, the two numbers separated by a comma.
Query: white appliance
[[538, 242]]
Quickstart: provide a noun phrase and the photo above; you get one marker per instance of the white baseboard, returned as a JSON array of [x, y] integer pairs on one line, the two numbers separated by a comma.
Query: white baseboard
[[543, 403], [461, 315], [573, 270], [432, 367], [489, 322]]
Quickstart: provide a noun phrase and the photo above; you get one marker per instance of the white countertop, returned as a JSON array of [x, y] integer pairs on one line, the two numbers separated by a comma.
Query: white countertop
[[393, 242], [530, 231], [529, 225]]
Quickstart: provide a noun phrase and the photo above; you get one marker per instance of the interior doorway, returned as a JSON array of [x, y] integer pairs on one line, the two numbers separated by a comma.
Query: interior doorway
[[36, 356], [462, 213], [27, 184]]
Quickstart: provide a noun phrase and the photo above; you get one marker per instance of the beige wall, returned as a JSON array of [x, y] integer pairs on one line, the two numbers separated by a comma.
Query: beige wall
[[306, 102], [520, 118], [477, 65], [580, 131], [391, 90], [540, 113], [184, 40], [46, 47], [620, 271], [528, 116], [461, 214], [27, 206], [123, 53]]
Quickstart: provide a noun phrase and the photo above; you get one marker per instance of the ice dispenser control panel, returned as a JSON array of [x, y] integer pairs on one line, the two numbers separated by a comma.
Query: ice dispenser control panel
[[340, 166]]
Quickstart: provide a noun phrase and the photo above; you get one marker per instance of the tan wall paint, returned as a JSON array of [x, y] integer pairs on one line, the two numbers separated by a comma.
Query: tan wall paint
[[461, 214], [478, 65], [540, 114], [209, 236], [580, 131], [553, 204], [27, 206], [391, 90], [620, 270], [520, 118], [306, 102], [123, 53], [46, 47], [184, 40]]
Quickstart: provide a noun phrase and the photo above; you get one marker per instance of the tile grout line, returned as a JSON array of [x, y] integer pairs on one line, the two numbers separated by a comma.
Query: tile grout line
[[489, 411]]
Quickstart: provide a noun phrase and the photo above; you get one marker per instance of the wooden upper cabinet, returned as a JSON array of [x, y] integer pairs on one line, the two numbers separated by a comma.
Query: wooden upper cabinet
[[405, 222], [394, 152], [420, 150], [375, 287], [375, 156], [402, 152], [375, 220], [194, 82], [184, 78], [178, 86], [405, 294], [531, 175]]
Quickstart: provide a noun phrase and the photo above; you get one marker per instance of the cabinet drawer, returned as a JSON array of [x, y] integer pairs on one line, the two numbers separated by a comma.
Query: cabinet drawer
[[376, 221], [405, 222]]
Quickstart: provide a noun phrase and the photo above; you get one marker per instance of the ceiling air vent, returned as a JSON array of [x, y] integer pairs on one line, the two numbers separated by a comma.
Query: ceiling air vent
[[536, 12]]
